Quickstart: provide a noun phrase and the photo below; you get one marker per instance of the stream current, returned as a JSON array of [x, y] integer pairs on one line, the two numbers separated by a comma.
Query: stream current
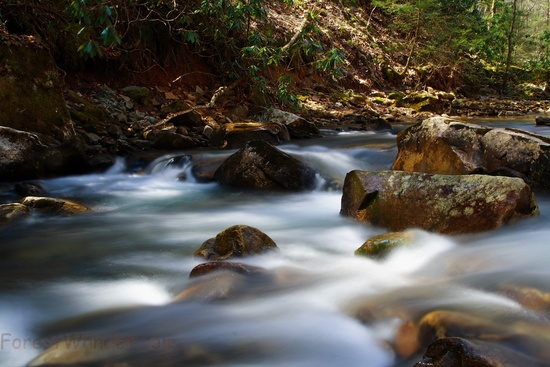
[[110, 275]]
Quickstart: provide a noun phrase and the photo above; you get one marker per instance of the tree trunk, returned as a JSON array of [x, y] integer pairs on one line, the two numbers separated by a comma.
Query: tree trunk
[[510, 49]]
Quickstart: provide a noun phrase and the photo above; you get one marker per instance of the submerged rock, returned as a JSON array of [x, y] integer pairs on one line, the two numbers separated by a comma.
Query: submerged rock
[[29, 189], [214, 266], [9, 212], [542, 121], [446, 146], [458, 352], [259, 165], [380, 246], [53, 206], [446, 204], [236, 241]]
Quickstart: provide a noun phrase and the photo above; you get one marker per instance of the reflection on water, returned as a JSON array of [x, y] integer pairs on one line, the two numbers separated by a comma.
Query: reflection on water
[[110, 275]]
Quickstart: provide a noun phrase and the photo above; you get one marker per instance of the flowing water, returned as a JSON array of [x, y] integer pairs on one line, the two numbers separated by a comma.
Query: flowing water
[[109, 277]]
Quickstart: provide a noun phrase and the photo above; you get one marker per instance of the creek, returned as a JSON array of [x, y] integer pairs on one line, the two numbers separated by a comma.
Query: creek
[[111, 274]]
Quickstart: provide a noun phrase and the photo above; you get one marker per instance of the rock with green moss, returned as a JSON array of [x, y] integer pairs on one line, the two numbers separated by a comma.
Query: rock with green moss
[[236, 241], [380, 246], [448, 204], [31, 97], [138, 94], [423, 101]]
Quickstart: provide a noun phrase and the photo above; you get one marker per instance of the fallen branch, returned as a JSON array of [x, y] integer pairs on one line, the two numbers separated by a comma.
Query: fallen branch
[[297, 35]]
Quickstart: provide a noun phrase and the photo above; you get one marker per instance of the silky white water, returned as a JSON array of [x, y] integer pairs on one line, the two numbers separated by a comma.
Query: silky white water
[[113, 273]]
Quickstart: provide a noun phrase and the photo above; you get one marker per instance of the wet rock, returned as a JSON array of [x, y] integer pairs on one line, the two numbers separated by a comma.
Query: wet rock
[[424, 101], [542, 121], [53, 206], [446, 204], [368, 123], [168, 140], [12, 211], [458, 352], [21, 154], [203, 170], [236, 241], [259, 165], [185, 118], [446, 146], [302, 129], [528, 338], [380, 246], [237, 135], [215, 266], [533, 298], [29, 189], [220, 286], [298, 127]]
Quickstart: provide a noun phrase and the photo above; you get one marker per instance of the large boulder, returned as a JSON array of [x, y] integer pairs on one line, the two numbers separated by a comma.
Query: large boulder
[[236, 241], [37, 136], [446, 204], [446, 146], [21, 154], [259, 165], [31, 97]]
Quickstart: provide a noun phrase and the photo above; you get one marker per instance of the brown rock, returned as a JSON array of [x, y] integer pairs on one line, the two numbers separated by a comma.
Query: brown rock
[[378, 247], [446, 146], [458, 352], [214, 266], [237, 135], [259, 165], [447, 204], [31, 96], [53, 206], [236, 241], [12, 211]]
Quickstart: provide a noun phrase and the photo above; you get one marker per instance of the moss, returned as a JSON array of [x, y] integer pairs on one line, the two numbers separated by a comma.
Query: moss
[[30, 93], [380, 246]]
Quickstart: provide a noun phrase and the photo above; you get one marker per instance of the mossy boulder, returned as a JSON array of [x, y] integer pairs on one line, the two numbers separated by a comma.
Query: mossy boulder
[[236, 241], [446, 146], [447, 204], [31, 97]]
